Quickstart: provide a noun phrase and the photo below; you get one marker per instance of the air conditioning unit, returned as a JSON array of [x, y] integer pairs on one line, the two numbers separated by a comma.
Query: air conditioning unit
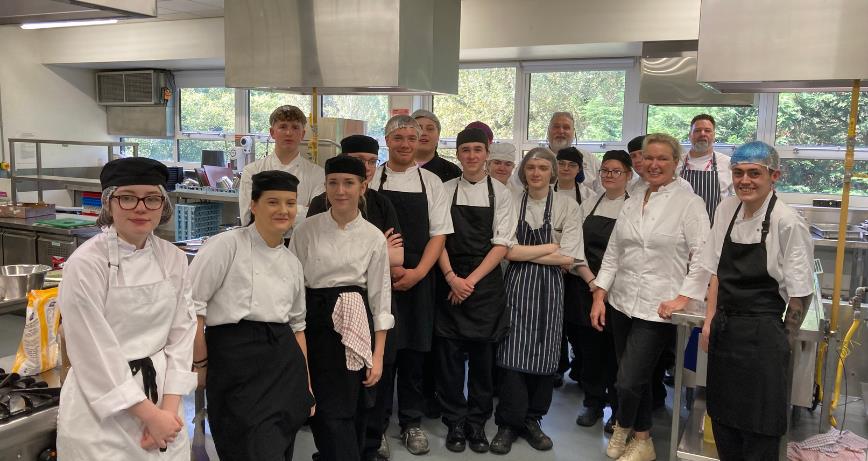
[[133, 87]]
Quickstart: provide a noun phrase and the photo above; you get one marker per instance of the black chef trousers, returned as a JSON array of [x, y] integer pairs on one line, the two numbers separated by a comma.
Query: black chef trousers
[[638, 344], [736, 445], [477, 407], [377, 420], [599, 367], [571, 336], [410, 369], [341, 439], [522, 397]]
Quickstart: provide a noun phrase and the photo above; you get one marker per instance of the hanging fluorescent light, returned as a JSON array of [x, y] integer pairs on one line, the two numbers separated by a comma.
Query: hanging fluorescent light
[[51, 25]]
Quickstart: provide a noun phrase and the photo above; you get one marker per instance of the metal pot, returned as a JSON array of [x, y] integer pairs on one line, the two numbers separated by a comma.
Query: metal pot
[[17, 280]]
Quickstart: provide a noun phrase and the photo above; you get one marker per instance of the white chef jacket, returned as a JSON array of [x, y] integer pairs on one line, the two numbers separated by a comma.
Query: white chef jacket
[[101, 370], [788, 244], [439, 218], [237, 276], [591, 166], [356, 255], [587, 193], [311, 182], [724, 173], [566, 222], [608, 208], [649, 252], [470, 194], [639, 187]]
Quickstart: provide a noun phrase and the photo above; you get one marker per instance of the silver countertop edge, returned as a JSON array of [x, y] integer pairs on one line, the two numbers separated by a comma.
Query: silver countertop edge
[[28, 225]]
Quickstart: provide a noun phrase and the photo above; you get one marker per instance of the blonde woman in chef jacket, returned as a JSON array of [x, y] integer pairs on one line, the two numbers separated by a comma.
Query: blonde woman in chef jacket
[[129, 324], [647, 269]]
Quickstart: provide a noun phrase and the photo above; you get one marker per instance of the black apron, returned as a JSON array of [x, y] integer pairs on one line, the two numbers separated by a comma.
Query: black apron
[[706, 184], [414, 309], [596, 231], [535, 296], [336, 389], [482, 316], [256, 388], [748, 354]]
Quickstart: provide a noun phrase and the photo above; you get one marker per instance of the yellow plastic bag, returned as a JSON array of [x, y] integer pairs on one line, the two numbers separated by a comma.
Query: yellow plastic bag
[[39, 349]]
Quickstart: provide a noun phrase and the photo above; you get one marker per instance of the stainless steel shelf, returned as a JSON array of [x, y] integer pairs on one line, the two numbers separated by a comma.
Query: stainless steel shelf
[[206, 195], [70, 183]]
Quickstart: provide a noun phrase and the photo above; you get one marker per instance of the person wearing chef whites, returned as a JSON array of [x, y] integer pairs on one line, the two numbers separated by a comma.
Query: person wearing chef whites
[[707, 171], [472, 319], [648, 268], [560, 134], [501, 161], [426, 150], [600, 365], [248, 290], [287, 129], [349, 305], [129, 325], [571, 175], [423, 211], [378, 210], [548, 236], [760, 252]]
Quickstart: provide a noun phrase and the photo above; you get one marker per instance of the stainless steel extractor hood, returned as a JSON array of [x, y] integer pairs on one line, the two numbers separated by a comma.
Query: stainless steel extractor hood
[[27, 11], [343, 46], [772, 46], [668, 77]]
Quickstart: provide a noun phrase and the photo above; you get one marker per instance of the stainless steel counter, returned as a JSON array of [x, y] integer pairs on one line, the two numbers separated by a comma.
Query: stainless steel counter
[[12, 306], [29, 225]]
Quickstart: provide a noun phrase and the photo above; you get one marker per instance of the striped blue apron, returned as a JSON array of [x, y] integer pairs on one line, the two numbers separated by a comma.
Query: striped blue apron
[[535, 299]]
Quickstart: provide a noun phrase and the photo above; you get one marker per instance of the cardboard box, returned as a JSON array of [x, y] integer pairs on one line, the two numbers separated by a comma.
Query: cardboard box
[[26, 210]]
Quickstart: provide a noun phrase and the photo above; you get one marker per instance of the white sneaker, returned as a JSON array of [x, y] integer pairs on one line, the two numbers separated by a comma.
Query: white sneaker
[[639, 450], [618, 442]]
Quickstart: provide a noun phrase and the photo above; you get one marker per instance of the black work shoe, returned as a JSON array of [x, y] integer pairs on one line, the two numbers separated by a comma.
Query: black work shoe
[[609, 428], [476, 438], [588, 416], [535, 436], [456, 438], [558, 380], [501, 444]]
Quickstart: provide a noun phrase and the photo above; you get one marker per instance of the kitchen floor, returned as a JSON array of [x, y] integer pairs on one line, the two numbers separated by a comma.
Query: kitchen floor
[[571, 441]]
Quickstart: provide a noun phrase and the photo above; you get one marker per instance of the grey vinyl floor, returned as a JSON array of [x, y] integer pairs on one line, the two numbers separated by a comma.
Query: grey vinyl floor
[[572, 442]]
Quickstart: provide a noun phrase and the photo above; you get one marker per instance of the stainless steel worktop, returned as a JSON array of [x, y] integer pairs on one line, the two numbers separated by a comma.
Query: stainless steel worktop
[[29, 225]]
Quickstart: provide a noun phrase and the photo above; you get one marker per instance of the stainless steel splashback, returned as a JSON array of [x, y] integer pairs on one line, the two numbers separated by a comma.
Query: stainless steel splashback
[[343, 46], [769, 45]]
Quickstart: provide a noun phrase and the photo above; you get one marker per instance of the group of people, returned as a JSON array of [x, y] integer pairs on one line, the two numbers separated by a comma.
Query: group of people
[[348, 283]]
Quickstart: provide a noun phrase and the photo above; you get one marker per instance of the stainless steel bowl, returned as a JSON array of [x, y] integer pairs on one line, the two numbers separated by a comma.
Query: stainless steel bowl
[[17, 280]]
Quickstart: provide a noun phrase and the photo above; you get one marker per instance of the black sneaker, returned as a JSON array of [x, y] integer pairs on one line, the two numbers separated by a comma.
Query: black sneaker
[[476, 438], [456, 438], [535, 436], [501, 444], [588, 416]]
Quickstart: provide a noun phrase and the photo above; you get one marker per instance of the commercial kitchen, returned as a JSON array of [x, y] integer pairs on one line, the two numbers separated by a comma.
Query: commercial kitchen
[[193, 83]]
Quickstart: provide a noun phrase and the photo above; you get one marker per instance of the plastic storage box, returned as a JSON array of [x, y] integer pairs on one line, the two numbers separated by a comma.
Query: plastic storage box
[[195, 220]]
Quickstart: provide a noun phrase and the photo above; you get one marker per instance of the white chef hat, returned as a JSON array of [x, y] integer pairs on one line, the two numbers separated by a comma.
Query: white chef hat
[[502, 151]]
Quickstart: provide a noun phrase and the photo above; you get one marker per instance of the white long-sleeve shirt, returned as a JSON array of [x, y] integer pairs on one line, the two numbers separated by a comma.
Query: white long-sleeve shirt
[[469, 194], [439, 218], [789, 245], [237, 276], [96, 352], [648, 259], [356, 255], [311, 182]]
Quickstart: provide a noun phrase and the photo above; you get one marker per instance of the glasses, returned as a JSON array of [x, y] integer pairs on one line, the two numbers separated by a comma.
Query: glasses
[[613, 173], [130, 202]]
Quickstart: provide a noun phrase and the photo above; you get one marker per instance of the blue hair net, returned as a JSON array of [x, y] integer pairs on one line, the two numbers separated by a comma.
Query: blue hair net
[[756, 152]]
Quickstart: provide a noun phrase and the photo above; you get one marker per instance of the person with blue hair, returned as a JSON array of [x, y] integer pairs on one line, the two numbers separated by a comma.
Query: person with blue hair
[[759, 257]]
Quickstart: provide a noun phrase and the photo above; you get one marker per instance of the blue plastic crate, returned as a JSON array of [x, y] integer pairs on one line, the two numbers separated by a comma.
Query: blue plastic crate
[[195, 220]]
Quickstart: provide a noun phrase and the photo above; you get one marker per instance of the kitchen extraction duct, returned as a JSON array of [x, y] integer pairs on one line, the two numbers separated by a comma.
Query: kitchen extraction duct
[[770, 46], [668, 77], [29, 11], [343, 46]]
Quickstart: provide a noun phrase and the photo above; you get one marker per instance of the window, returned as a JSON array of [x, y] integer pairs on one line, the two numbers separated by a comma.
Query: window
[[820, 176], [595, 98], [263, 103], [819, 119], [190, 150], [157, 149], [734, 125], [372, 109], [487, 95], [207, 110]]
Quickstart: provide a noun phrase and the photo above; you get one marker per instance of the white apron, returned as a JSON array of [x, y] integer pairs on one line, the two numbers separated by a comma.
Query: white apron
[[140, 317]]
